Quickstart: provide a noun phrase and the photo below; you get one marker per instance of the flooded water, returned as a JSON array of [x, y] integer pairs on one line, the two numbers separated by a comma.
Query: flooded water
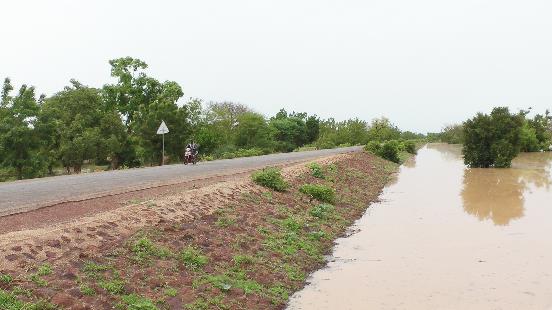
[[447, 237]]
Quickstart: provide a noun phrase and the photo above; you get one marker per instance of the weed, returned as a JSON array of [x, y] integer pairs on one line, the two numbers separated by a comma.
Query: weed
[[271, 178], [224, 220], [316, 170], [144, 249], [322, 211], [87, 290], [170, 291], [198, 304], [135, 302], [9, 301], [243, 260], [5, 278], [193, 258], [278, 293], [268, 195], [115, 286], [44, 270], [93, 270], [19, 291], [317, 235], [38, 280], [320, 192], [225, 282], [294, 273]]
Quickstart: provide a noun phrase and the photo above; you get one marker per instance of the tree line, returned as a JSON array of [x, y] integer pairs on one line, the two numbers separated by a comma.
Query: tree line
[[115, 126], [493, 140]]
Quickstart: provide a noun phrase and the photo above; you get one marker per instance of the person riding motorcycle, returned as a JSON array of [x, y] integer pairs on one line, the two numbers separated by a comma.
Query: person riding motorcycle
[[193, 148]]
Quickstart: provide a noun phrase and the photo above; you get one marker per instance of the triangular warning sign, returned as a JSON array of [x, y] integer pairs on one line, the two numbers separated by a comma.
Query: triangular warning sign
[[163, 129]]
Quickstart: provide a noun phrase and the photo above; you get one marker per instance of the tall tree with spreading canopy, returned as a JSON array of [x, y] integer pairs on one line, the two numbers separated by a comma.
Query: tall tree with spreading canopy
[[19, 141]]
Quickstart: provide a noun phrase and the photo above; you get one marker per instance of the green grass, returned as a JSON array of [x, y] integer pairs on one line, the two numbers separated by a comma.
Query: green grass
[[5, 278], [114, 286], [240, 260], [232, 279], [94, 270], [87, 290], [170, 292], [193, 258], [224, 220], [38, 280], [278, 293], [135, 302], [9, 301], [44, 270], [144, 250], [322, 211]]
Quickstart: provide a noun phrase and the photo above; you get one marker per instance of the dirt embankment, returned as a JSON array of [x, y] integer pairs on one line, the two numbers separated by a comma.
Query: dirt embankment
[[222, 245]]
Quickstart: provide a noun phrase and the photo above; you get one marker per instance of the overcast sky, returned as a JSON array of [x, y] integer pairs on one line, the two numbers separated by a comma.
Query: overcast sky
[[421, 63]]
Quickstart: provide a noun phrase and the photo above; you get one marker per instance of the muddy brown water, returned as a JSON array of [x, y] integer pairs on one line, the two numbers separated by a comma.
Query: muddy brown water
[[446, 237]]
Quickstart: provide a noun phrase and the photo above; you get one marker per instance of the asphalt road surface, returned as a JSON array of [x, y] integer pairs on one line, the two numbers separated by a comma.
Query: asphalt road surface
[[26, 195]]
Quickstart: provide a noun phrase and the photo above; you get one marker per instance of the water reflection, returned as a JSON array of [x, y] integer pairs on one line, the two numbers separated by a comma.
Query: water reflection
[[495, 194], [498, 194]]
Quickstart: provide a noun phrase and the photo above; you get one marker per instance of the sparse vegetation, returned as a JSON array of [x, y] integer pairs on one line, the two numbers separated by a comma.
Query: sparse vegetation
[[261, 246]]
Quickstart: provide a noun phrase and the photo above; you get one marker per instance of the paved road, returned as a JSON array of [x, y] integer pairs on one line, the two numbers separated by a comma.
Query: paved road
[[31, 194]]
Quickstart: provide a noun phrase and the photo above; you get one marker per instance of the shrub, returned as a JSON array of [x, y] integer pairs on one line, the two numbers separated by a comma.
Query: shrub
[[271, 178], [316, 170], [389, 150], [320, 192], [409, 146], [492, 140], [373, 147]]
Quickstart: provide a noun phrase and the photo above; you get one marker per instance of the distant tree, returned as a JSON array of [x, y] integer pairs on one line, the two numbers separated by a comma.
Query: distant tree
[[313, 128], [147, 121], [382, 129], [79, 127], [452, 134], [353, 132], [542, 125], [19, 141], [528, 138], [492, 140], [289, 131], [222, 118], [252, 131]]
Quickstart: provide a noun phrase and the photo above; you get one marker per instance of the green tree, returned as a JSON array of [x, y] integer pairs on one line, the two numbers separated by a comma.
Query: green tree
[[289, 131], [492, 140], [382, 129], [452, 134], [252, 131], [79, 127], [313, 128], [19, 141]]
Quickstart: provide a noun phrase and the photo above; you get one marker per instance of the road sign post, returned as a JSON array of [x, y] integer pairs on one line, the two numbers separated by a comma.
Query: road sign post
[[163, 129]]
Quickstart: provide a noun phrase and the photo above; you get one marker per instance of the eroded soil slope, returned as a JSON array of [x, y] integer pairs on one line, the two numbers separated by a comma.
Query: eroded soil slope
[[226, 245]]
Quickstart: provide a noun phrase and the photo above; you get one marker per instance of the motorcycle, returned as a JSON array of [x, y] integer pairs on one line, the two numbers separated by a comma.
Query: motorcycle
[[189, 157]]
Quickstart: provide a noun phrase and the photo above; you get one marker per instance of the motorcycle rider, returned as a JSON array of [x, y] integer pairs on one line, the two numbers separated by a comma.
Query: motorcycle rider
[[193, 147]]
